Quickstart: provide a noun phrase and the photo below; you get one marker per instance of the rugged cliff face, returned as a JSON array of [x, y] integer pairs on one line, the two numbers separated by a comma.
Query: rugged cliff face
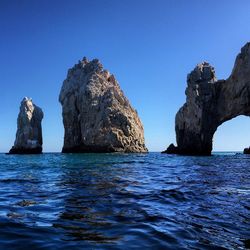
[[97, 117], [29, 129], [209, 103]]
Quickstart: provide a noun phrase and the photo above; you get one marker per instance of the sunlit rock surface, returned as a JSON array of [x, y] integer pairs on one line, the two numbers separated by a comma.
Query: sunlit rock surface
[[29, 129], [210, 102], [97, 117]]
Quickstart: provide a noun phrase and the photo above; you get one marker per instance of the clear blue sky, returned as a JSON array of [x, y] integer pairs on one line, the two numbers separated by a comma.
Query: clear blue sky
[[150, 46]]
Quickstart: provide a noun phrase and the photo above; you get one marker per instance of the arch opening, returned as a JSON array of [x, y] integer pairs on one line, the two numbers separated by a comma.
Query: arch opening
[[232, 135]]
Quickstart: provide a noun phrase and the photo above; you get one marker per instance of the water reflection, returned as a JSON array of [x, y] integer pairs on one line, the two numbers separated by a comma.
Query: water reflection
[[91, 186]]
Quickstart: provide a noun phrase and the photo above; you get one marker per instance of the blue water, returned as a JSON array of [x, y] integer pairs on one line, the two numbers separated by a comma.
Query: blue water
[[124, 201]]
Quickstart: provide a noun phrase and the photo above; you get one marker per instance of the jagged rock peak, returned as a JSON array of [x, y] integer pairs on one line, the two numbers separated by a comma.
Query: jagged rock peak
[[97, 116], [202, 72], [29, 129]]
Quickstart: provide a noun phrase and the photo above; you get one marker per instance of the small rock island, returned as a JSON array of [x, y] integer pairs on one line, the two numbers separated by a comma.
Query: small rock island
[[209, 103], [97, 117], [29, 129], [246, 151]]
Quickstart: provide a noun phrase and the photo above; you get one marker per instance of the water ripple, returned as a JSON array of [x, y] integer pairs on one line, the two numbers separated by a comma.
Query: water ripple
[[124, 201]]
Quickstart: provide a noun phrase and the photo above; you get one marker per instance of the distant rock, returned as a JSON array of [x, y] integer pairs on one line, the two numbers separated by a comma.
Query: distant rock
[[97, 117], [29, 129], [172, 149], [246, 151], [211, 102]]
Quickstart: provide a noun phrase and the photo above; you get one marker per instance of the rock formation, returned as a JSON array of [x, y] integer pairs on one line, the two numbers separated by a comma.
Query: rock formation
[[211, 102], [97, 117], [172, 149], [29, 129], [246, 151]]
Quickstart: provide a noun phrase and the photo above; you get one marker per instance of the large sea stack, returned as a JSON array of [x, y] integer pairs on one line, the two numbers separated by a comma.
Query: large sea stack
[[29, 129], [211, 102], [97, 117]]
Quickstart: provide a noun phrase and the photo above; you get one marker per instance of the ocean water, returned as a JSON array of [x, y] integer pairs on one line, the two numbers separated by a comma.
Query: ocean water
[[124, 201]]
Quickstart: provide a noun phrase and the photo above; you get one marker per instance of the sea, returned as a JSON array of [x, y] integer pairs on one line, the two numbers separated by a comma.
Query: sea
[[124, 201]]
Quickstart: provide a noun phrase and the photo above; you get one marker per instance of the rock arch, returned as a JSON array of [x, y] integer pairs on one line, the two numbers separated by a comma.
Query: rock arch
[[209, 103]]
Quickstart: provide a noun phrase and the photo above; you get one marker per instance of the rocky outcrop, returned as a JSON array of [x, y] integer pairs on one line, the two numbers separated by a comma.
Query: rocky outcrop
[[246, 151], [172, 149], [29, 129], [97, 117], [211, 102]]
